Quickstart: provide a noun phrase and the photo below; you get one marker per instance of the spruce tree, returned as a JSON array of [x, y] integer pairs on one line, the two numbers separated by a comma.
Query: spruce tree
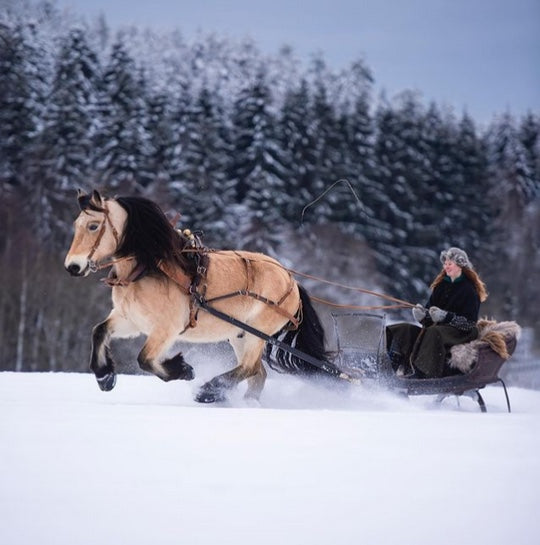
[[64, 145], [257, 169], [123, 142]]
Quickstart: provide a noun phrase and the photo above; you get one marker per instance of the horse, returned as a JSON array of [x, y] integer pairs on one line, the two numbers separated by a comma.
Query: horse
[[159, 275]]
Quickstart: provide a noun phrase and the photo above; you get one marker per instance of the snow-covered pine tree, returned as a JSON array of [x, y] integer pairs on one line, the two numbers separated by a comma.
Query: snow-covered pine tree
[[297, 142], [206, 191], [513, 190], [63, 146], [122, 141], [257, 167], [23, 86]]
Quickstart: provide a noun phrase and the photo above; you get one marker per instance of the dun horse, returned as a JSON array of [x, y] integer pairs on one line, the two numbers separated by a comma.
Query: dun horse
[[157, 274]]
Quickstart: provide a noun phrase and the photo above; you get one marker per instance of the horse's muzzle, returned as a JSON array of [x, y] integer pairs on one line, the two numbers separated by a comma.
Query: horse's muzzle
[[74, 270]]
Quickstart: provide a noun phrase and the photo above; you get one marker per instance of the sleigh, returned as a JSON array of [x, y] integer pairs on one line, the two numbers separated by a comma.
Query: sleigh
[[361, 351]]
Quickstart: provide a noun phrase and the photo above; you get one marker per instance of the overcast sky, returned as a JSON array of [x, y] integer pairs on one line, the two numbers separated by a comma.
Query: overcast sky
[[479, 55]]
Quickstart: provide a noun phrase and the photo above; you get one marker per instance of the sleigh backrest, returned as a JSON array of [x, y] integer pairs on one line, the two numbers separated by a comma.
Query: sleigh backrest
[[486, 370]]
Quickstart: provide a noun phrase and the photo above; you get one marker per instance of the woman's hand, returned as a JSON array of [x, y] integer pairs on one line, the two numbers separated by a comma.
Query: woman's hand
[[437, 314], [419, 312]]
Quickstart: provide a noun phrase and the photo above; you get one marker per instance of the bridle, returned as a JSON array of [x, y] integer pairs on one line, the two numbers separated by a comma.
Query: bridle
[[95, 266]]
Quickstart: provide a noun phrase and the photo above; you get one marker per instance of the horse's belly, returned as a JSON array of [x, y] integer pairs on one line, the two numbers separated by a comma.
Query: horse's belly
[[208, 330]]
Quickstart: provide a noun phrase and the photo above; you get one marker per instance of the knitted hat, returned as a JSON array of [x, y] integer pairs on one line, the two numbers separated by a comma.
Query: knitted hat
[[458, 256]]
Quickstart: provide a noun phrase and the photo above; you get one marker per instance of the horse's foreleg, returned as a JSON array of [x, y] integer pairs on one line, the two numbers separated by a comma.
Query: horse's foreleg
[[101, 362], [248, 350], [151, 359]]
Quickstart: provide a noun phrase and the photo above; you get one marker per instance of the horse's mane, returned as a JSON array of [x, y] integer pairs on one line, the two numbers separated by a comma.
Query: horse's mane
[[150, 237]]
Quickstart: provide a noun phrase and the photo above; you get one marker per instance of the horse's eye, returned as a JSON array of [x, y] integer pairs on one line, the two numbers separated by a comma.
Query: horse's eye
[[93, 227]]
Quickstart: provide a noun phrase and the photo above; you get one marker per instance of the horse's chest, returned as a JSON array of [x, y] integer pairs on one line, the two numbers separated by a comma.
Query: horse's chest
[[134, 309]]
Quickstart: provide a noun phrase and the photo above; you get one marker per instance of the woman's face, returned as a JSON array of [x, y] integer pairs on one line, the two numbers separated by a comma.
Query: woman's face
[[451, 269]]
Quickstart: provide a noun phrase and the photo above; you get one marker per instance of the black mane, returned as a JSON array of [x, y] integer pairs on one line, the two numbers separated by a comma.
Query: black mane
[[150, 237]]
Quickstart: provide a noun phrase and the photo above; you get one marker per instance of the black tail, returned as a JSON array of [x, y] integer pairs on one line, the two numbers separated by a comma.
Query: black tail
[[308, 338]]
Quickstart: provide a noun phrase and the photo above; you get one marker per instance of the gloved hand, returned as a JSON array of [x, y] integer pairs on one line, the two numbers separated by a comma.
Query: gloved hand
[[437, 314], [419, 312]]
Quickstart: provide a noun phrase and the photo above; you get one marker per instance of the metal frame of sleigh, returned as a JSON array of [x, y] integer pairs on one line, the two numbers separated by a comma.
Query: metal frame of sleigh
[[361, 351]]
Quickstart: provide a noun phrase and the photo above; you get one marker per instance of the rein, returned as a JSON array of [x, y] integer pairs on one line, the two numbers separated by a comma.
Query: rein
[[397, 303]]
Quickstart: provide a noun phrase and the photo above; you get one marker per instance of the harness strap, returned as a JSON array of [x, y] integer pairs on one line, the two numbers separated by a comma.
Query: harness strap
[[323, 365], [136, 274], [295, 320]]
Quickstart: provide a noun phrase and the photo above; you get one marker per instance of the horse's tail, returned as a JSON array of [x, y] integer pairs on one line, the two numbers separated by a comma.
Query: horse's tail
[[308, 338]]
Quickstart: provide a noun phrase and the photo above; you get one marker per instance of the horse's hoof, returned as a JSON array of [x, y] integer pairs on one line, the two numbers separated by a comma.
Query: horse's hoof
[[107, 382], [252, 402], [210, 395], [187, 373]]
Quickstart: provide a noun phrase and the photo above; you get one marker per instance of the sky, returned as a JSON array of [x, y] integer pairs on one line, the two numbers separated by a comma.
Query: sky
[[482, 56]]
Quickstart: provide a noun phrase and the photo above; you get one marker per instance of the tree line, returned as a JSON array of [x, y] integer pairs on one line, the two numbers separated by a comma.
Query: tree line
[[240, 142]]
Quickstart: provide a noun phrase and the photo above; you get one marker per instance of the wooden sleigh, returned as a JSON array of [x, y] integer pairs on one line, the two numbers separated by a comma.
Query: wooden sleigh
[[361, 350]]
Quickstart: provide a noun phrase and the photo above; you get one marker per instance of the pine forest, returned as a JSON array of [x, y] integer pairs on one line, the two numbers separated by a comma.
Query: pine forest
[[240, 143]]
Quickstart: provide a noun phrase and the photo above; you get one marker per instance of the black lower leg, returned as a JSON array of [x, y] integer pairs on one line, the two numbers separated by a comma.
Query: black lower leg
[[177, 369], [214, 390], [102, 367]]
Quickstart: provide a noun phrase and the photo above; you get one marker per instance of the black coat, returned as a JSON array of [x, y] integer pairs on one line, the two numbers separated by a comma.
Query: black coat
[[459, 298]]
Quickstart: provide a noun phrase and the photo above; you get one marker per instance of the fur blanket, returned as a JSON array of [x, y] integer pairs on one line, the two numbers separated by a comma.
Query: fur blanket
[[491, 333]]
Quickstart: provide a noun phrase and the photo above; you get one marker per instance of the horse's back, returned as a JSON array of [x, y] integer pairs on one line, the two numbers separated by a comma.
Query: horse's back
[[230, 271], [242, 265]]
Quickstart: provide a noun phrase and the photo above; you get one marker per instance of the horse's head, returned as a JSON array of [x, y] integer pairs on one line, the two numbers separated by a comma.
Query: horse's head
[[98, 230]]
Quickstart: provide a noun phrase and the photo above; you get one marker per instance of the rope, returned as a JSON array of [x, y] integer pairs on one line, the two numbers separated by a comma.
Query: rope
[[400, 303], [355, 307]]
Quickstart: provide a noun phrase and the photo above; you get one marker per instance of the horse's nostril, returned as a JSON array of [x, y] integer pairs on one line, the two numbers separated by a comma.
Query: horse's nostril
[[73, 269]]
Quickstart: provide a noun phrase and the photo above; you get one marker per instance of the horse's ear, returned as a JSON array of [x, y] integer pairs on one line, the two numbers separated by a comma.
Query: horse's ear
[[96, 200], [90, 202], [83, 199]]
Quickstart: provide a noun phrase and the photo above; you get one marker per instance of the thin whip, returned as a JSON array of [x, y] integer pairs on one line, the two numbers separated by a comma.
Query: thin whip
[[342, 180]]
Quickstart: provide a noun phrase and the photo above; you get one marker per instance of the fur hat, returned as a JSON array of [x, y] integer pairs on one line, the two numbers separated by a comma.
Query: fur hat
[[458, 256]]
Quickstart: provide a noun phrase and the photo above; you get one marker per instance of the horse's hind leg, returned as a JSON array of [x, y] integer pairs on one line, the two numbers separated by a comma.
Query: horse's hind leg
[[248, 350], [256, 383], [151, 358]]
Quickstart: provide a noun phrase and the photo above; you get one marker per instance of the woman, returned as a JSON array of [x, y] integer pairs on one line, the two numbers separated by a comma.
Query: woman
[[449, 318]]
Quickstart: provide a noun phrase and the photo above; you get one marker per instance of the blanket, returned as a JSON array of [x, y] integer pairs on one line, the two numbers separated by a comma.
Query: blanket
[[491, 333]]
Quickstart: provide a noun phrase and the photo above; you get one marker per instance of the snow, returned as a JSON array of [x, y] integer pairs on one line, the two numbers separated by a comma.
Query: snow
[[145, 464]]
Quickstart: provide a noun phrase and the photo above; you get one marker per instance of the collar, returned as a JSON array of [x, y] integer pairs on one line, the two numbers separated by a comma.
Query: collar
[[458, 279]]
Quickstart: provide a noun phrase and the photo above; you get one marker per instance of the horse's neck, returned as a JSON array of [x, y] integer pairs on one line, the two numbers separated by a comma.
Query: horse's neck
[[126, 270]]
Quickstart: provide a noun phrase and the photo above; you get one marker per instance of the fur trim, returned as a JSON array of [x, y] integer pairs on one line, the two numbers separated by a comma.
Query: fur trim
[[491, 333]]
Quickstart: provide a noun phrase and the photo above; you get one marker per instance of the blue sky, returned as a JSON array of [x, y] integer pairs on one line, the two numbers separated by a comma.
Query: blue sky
[[479, 55]]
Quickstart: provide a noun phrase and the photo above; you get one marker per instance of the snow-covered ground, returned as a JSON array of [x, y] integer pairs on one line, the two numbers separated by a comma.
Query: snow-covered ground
[[145, 464]]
